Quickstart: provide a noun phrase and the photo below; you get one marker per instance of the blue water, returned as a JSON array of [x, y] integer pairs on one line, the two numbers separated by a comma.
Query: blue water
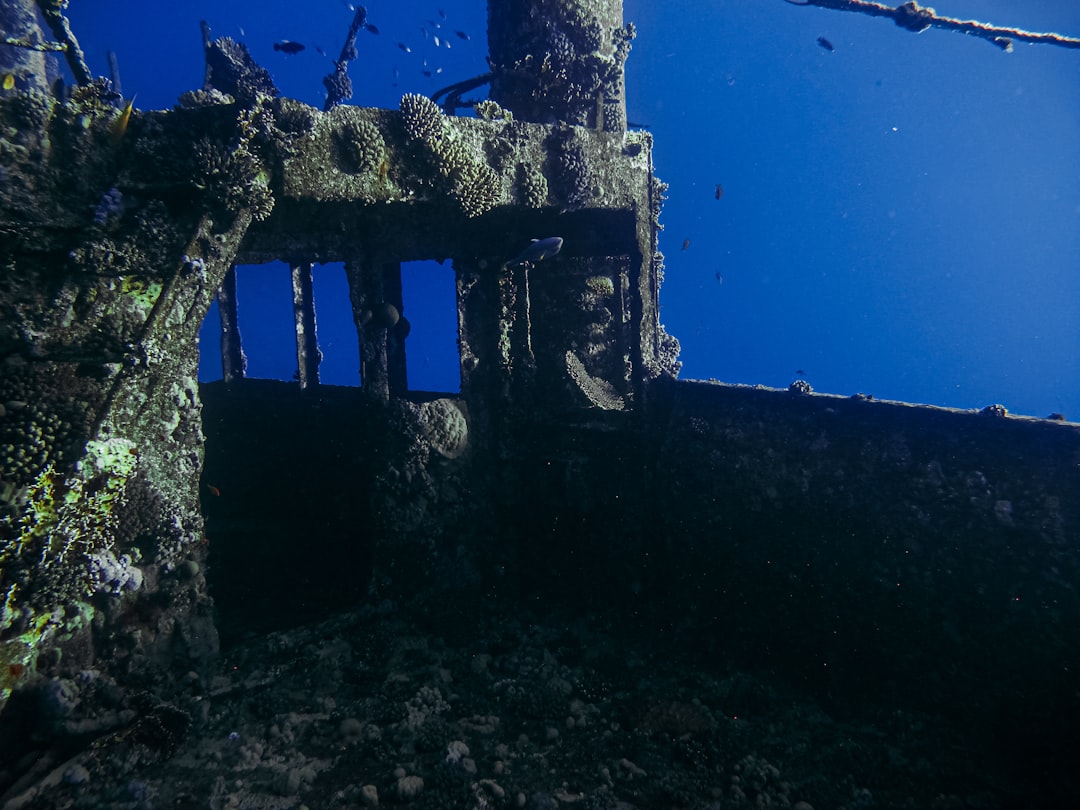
[[900, 216]]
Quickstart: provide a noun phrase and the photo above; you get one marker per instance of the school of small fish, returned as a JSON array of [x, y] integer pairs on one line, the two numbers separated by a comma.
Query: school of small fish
[[432, 30]]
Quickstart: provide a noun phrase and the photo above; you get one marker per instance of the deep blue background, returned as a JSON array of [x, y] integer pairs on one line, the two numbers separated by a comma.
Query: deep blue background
[[900, 217]]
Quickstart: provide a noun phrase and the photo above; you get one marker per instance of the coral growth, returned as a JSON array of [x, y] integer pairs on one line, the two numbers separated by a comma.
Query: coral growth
[[532, 185], [362, 146], [468, 179]]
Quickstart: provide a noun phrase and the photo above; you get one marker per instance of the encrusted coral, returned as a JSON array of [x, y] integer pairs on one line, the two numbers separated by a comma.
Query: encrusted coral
[[489, 110], [33, 432], [234, 176], [293, 117], [472, 183], [573, 175], [533, 186], [600, 285], [422, 118], [477, 188], [592, 35], [362, 145], [445, 427], [197, 99], [231, 70], [600, 393], [614, 114], [668, 353]]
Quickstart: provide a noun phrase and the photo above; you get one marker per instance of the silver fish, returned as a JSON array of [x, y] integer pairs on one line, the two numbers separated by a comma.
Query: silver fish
[[538, 250]]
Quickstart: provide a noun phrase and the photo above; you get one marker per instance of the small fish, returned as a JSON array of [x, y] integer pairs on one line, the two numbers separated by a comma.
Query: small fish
[[320, 51], [685, 244], [9, 81], [538, 250], [824, 43], [800, 372], [463, 35], [371, 29], [120, 123], [426, 73], [404, 47], [442, 13], [348, 5], [213, 490], [719, 191], [288, 46], [436, 40], [719, 278]]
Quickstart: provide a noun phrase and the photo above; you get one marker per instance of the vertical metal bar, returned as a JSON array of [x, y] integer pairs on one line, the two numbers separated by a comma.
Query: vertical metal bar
[[397, 374], [308, 355], [369, 314], [233, 361]]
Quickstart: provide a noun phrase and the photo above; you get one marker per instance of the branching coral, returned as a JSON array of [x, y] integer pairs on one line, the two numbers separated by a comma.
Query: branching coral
[[532, 186], [362, 146], [470, 181], [422, 118]]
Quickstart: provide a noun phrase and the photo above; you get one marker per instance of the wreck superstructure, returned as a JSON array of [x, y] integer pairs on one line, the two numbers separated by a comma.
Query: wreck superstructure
[[573, 468]]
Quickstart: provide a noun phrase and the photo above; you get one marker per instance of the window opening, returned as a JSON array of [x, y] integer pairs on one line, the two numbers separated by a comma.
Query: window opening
[[265, 316], [429, 299], [210, 346], [336, 327]]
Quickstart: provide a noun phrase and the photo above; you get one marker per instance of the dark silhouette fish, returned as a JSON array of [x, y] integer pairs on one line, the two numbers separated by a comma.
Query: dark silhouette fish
[[462, 35], [288, 46], [371, 29], [824, 43]]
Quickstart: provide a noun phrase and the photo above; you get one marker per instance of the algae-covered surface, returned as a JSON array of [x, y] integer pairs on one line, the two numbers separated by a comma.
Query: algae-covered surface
[[476, 708]]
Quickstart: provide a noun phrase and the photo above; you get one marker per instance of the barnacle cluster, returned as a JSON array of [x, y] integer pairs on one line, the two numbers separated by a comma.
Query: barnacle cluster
[[471, 182], [532, 186]]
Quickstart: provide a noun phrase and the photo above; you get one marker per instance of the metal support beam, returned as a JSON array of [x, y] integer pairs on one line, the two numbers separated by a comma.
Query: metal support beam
[[233, 361], [308, 355]]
